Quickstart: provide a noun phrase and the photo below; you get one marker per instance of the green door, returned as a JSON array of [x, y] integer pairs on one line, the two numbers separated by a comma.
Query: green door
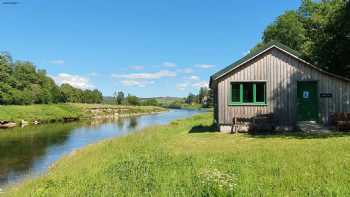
[[307, 101]]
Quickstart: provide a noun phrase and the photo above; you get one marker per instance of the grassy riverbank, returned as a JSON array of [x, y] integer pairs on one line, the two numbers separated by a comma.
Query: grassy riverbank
[[58, 112], [186, 158]]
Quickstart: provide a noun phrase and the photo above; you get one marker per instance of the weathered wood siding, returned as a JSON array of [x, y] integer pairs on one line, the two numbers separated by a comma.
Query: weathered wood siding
[[281, 73]]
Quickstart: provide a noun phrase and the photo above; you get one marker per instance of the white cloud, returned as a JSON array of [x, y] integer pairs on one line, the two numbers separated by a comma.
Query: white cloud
[[204, 65], [200, 84], [76, 81], [169, 64], [181, 86], [146, 76], [142, 79], [57, 62], [130, 82], [185, 70], [193, 77], [136, 67]]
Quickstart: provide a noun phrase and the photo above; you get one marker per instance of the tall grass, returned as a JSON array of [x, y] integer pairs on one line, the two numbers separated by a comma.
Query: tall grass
[[57, 112], [182, 160], [43, 112]]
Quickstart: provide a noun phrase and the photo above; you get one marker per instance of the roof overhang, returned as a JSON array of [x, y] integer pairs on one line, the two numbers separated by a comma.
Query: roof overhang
[[269, 46]]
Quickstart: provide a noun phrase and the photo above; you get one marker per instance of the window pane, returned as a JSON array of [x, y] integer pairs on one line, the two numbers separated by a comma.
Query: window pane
[[260, 92], [235, 92], [247, 92]]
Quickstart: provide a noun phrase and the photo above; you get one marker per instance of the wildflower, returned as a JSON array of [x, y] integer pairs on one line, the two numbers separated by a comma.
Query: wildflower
[[216, 178]]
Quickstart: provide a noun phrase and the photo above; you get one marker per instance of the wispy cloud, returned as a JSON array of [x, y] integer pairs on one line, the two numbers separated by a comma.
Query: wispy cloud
[[169, 64], [200, 84], [181, 86], [204, 65], [146, 76], [136, 67], [74, 80], [143, 79], [185, 70], [56, 62], [130, 82], [193, 77]]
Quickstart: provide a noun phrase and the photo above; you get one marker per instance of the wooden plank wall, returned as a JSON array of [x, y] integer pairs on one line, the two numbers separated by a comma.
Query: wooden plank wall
[[281, 72]]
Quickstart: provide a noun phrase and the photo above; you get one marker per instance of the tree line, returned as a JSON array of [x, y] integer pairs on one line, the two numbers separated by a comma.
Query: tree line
[[120, 99], [204, 98], [319, 30], [22, 84]]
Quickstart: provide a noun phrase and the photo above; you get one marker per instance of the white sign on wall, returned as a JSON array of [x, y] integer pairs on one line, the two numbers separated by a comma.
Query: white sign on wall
[[306, 94]]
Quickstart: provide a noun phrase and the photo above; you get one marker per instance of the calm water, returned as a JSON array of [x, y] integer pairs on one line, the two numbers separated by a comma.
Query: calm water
[[31, 150]]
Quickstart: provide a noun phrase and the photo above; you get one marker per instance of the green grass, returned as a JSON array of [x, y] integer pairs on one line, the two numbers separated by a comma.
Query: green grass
[[57, 112], [44, 113], [186, 158], [191, 106], [122, 109]]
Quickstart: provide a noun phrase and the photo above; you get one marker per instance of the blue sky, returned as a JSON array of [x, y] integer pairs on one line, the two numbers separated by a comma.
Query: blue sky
[[146, 48]]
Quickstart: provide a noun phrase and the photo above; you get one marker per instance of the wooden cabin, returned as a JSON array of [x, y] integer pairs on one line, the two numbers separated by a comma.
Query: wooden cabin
[[275, 80]]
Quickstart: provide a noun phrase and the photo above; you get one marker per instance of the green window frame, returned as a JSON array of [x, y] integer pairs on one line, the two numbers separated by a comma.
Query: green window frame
[[248, 93]]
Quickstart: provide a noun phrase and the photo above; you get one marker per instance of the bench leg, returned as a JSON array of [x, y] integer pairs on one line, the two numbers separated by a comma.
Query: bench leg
[[234, 129]]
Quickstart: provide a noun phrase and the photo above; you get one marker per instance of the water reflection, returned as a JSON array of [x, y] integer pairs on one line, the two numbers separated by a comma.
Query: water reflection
[[20, 148], [132, 123], [120, 123], [30, 151]]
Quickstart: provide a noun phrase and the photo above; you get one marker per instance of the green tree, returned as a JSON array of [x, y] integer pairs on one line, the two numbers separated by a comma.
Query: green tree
[[119, 97], [210, 100], [150, 102], [98, 97], [332, 44], [287, 29], [132, 100], [203, 95], [21, 83], [320, 30], [191, 98]]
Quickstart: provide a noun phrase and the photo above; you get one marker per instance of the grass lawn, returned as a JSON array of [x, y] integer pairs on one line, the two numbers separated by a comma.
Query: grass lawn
[[186, 158]]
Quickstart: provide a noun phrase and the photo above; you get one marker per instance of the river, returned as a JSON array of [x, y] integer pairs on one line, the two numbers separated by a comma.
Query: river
[[30, 151]]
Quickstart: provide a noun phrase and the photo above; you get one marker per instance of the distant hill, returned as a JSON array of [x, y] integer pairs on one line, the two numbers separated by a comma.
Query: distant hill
[[108, 99], [164, 100]]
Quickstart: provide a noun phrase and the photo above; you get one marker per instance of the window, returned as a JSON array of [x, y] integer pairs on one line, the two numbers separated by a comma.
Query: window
[[253, 93], [248, 92], [236, 92], [260, 92]]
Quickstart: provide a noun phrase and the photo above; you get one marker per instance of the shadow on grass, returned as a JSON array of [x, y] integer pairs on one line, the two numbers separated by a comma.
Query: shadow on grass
[[298, 135], [273, 134], [203, 129]]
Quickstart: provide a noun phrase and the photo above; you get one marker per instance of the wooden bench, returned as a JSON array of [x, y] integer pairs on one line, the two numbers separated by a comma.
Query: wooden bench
[[239, 122], [264, 122], [256, 123], [341, 120]]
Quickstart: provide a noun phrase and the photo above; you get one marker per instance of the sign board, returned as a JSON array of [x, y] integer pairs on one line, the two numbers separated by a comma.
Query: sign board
[[326, 95], [306, 94]]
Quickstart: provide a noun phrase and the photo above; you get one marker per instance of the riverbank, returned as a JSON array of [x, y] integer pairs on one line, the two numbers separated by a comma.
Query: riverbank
[[188, 158], [39, 114]]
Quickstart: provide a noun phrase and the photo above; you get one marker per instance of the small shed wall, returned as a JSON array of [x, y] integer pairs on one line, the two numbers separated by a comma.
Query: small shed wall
[[281, 73]]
